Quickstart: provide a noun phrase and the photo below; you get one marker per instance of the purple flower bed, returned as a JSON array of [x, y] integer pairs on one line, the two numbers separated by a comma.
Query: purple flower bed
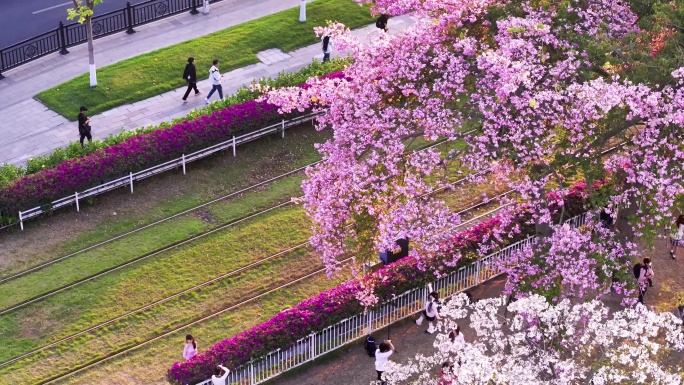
[[331, 306], [133, 154]]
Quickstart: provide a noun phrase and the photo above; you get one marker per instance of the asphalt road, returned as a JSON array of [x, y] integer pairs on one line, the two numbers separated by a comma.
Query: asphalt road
[[23, 19]]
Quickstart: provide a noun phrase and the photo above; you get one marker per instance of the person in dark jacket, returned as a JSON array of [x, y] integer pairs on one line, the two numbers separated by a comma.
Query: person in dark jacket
[[84, 125], [190, 76], [382, 22]]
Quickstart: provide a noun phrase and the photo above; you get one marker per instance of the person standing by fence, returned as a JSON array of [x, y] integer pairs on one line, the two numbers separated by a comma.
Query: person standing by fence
[[215, 77], [327, 48], [84, 125], [190, 76]]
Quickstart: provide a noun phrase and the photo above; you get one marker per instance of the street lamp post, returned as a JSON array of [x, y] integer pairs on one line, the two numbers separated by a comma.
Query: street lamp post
[[302, 11]]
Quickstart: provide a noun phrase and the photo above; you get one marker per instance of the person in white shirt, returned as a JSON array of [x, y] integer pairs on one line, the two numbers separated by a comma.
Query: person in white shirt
[[215, 77], [456, 336], [382, 356], [217, 378], [190, 349], [644, 280], [327, 48], [430, 313]]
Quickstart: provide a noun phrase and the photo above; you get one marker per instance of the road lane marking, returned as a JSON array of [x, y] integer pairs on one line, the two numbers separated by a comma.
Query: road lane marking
[[53, 7]]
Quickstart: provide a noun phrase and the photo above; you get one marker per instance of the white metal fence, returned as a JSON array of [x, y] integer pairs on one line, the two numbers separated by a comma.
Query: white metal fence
[[160, 168], [352, 329]]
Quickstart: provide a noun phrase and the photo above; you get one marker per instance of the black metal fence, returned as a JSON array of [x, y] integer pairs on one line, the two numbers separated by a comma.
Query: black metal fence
[[105, 24]]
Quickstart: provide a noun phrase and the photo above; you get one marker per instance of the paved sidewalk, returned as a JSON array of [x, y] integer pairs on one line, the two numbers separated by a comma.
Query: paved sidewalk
[[29, 129]]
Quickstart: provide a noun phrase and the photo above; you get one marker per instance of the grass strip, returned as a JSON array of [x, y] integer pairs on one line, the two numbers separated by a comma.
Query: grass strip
[[160, 71], [135, 286], [171, 315], [144, 243], [260, 161], [148, 364]]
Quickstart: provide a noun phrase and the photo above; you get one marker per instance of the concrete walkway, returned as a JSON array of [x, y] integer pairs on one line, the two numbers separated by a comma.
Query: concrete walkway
[[29, 129]]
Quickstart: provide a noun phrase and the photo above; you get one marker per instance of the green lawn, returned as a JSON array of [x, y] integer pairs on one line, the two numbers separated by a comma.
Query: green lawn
[[160, 71], [148, 365], [146, 241], [171, 272]]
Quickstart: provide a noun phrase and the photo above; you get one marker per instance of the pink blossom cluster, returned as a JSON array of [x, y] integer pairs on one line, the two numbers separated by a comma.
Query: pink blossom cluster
[[523, 85]]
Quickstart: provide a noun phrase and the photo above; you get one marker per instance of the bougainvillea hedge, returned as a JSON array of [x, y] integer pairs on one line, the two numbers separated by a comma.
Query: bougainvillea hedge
[[333, 305]]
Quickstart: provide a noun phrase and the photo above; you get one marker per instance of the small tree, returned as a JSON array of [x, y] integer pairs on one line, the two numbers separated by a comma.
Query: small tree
[[84, 13], [551, 344]]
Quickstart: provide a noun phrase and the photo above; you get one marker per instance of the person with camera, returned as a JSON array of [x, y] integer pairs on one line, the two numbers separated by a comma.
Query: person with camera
[[382, 355], [84, 125]]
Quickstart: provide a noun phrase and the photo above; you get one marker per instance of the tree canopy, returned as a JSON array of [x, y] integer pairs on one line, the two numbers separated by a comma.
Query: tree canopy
[[537, 90]]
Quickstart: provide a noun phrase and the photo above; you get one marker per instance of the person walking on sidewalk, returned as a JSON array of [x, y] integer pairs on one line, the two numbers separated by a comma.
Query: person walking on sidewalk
[[381, 23], [645, 273], [677, 236], [381, 357], [327, 48], [430, 312], [84, 125], [215, 77], [190, 76]]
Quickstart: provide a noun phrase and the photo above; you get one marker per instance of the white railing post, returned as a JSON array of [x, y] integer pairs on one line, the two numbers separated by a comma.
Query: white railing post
[[313, 346], [477, 271], [234, 153], [183, 161], [78, 209], [130, 180], [252, 378], [21, 221], [369, 320], [282, 125]]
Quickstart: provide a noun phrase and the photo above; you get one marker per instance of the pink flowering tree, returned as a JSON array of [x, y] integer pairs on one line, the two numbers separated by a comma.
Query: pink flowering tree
[[541, 343], [527, 87]]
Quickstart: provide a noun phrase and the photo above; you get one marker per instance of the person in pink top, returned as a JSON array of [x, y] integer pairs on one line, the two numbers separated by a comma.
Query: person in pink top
[[190, 347]]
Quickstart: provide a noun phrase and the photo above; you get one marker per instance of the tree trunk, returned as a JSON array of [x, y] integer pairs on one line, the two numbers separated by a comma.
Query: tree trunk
[[91, 51]]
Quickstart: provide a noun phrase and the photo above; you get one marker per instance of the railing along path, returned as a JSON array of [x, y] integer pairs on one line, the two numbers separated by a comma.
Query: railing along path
[[132, 177]]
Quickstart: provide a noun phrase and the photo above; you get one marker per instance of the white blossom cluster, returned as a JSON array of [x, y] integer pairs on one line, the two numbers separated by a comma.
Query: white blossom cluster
[[533, 342]]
